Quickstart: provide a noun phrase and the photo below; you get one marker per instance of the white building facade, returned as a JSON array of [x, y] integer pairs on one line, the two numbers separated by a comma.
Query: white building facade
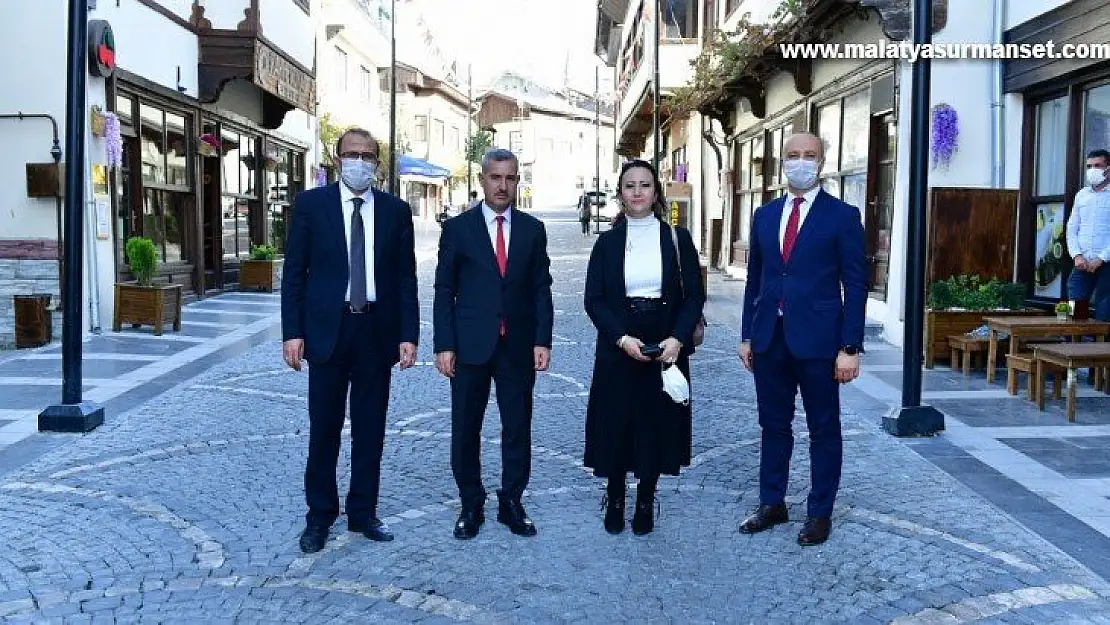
[[236, 73]]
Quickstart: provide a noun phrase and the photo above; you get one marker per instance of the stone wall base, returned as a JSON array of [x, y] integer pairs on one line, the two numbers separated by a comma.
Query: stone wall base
[[26, 277]]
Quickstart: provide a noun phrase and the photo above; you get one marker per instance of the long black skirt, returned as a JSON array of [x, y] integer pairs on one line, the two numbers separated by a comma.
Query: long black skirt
[[631, 424]]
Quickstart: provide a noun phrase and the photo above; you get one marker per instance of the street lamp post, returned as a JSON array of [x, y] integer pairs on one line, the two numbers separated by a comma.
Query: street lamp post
[[469, 127], [914, 419], [597, 147], [655, 87], [394, 186], [73, 414]]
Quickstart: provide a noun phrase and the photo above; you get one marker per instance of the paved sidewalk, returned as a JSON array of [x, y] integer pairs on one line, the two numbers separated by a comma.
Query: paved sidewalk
[[188, 508]]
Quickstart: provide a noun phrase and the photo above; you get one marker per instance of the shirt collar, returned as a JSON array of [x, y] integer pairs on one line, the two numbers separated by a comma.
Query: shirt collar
[[810, 197], [490, 216], [347, 195]]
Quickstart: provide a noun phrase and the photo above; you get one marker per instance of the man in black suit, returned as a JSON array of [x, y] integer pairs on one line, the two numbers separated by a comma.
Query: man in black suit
[[493, 320], [348, 307]]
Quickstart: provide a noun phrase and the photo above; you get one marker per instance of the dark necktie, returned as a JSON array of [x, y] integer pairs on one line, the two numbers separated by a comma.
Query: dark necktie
[[358, 257]]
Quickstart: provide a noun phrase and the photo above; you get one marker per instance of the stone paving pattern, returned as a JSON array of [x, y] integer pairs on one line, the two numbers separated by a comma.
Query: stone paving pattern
[[188, 509]]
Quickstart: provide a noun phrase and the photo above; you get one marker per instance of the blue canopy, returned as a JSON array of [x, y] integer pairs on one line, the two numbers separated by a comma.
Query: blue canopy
[[411, 165]]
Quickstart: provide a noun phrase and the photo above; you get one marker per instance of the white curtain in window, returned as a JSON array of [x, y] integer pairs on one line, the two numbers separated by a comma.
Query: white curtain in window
[[1052, 142], [1096, 120]]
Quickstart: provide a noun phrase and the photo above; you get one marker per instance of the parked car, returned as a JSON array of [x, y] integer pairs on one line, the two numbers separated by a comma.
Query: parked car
[[601, 207]]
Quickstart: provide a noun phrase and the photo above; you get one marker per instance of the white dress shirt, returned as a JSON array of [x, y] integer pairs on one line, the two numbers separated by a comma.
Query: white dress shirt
[[1089, 224], [491, 225], [803, 210], [367, 211], [643, 258]]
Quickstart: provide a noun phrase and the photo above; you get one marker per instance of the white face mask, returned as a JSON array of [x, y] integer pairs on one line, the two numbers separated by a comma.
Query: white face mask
[[1096, 176], [801, 173], [675, 385], [357, 173]]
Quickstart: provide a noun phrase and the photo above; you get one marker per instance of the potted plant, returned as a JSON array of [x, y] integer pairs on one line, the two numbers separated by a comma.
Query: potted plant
[[142, 302], [958, 304], [262, 271], [1063, 311], [208, 145]]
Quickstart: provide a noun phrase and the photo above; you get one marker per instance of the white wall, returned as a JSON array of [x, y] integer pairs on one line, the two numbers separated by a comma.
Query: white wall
[[224, 14], [136, 27], [286, 25]]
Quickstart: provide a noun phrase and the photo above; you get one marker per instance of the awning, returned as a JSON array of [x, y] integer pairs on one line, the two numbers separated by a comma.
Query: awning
[[411, 165]]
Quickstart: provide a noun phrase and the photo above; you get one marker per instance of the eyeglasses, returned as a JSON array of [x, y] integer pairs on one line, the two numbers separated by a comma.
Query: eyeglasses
[[369, 157]]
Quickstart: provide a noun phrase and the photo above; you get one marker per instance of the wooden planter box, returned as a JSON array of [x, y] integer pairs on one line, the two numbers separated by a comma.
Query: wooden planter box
[[941, 324], [260, 275], [148, 306]]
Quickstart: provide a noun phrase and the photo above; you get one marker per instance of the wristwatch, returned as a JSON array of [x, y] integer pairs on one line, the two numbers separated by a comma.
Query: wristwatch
[[851, 350]]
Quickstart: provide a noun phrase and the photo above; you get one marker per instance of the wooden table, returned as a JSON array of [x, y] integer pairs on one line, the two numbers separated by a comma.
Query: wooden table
[[1036, 327], [1071, 356]]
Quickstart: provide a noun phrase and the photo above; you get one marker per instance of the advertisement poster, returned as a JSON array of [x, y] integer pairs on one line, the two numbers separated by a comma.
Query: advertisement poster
[[1050, 256]]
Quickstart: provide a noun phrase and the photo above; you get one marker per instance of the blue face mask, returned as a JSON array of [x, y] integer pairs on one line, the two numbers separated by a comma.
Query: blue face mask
[[800, 173], [357, 173]]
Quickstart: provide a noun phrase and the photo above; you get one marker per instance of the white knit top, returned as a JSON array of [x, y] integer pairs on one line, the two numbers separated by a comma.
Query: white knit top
[[643, 258]]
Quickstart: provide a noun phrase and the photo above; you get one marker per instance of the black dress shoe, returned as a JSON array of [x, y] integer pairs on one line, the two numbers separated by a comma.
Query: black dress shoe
[[614, 513], [764, 518], [313, 538], [470, 521], [511, 513], [815, 531], [375, 530], [643, 520]]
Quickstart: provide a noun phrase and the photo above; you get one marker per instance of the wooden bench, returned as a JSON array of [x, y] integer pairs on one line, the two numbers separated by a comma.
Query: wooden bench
[[968, 346], [1071, 357], [1026, 364]]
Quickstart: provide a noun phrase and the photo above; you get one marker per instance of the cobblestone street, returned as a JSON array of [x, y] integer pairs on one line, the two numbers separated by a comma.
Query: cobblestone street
[[188, 508]]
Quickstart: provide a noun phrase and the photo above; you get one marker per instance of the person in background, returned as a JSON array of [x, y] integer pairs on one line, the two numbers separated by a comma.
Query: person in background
[[473, 199], [493, 320], [806, 248], [1088, 237], [640, 292], [584, 213], [349, 307]]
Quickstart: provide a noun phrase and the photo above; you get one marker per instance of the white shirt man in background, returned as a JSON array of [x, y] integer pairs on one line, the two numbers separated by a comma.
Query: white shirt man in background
[[1088, 236]]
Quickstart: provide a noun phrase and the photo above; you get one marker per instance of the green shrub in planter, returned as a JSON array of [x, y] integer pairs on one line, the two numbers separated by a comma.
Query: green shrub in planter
[[971, 293], [263, 252], [143, 259]]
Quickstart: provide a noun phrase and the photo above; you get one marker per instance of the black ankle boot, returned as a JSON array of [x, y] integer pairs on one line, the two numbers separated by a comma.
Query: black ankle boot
[[613, 503], [643, 520]]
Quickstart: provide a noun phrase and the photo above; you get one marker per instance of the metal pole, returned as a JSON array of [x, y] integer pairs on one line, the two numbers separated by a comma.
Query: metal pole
[[597, 147], [73, 415], [655, 89], [394, 180], [469, 131], [913, 419]]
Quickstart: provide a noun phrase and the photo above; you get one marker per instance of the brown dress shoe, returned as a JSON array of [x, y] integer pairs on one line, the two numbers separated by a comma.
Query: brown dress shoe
[[764, 518], [815, 531]]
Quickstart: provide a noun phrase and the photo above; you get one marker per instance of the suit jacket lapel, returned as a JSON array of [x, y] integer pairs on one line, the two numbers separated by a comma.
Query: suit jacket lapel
[[670, 263], [774, 222], [517, 243], [814, 214], [382, 226], [334, 211], [481, 231]]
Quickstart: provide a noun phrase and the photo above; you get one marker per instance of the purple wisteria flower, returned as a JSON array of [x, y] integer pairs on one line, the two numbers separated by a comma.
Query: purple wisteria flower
[[113, 140], [946, 134]]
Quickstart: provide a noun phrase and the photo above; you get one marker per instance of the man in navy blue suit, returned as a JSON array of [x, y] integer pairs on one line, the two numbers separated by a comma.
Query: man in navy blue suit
[[493, 321], [807, 250], [349, 307]]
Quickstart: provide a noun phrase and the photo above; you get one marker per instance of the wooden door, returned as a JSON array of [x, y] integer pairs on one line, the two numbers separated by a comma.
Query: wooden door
[[971, 231], [878, 215], [213, 224]]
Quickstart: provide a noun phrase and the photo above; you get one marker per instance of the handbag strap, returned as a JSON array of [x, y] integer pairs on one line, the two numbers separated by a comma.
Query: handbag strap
[[678, 259]]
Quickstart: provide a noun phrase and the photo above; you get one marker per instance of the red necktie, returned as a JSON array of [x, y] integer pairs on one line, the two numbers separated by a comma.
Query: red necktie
[[791, 235], [502, 256]]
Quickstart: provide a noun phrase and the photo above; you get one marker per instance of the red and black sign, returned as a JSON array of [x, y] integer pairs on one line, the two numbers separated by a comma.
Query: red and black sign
[[102, 48]]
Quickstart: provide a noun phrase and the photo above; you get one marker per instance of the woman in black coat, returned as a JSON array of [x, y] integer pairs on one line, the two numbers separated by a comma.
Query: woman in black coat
[[637, 299]]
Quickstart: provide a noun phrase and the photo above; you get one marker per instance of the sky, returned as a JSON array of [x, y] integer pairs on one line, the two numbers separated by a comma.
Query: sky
[[532, 37]]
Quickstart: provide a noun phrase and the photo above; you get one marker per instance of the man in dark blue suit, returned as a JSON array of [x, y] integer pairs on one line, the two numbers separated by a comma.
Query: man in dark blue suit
[[348, 307], [807, 247], [493, 321]]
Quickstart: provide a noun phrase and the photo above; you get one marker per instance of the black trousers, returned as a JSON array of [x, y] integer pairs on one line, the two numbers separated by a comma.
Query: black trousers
[[357, 365], [470, 390]]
